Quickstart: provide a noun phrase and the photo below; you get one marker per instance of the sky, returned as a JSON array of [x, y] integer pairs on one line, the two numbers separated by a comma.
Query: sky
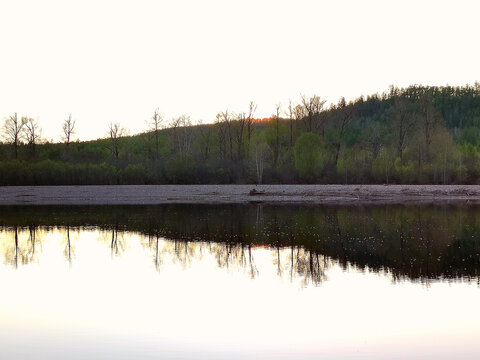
[[116, 61]]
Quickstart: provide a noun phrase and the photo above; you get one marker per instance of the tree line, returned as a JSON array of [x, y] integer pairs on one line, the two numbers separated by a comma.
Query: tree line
[[419, 134]]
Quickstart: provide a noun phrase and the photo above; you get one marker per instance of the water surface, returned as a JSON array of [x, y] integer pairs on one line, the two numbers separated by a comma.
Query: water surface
[[240, 282]]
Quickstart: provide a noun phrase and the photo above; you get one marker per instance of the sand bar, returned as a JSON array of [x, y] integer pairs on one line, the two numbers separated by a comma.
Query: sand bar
[[224, 194]]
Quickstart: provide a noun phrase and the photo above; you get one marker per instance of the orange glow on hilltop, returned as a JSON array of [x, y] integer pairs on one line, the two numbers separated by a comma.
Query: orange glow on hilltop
[[262, 120]]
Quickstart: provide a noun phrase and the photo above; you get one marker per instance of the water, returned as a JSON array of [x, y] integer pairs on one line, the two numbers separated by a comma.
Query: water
[[240, 282]]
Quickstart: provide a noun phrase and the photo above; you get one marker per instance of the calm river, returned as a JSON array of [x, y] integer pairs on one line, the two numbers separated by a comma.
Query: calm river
[[240, 282]]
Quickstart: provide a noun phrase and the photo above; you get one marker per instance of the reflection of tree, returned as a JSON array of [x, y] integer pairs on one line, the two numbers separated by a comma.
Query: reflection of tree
[[21, 250], [157, 259], [181, 252], [415, 242], [185, 251], [259, 221], [113, 238], [116, 245], [69, 249], [278, 261], [298, 262], [153, 244], [301, 263], [252, 268], [307, 264], [32, 231], [11, 253], [233, 255]]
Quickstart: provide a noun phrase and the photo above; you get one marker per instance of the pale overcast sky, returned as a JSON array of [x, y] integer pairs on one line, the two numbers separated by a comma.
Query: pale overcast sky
[[117, 61]]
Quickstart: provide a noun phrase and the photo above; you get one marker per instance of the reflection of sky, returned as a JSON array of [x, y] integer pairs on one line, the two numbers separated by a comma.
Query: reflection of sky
[[120, 307]]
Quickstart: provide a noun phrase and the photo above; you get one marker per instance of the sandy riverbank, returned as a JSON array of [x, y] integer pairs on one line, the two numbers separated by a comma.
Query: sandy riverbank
[[217, 194]]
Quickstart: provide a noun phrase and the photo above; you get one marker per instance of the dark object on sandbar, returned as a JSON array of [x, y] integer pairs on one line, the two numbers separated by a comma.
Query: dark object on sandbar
[[255, 192]]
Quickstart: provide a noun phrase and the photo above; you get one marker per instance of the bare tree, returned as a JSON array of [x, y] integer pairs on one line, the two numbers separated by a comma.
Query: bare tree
[[403, 122], [115, 132], [312, 107], [276, 147], [291, 118], [181, 134], [222, 135], [185, 134], [68, 129], [155, 125], [429, 120], [252, 107], [32, 133], [345, 116], [175, 125], [239, 130], [206, 137], [375, 139], [224, 121], [260, 154], [13, 131]]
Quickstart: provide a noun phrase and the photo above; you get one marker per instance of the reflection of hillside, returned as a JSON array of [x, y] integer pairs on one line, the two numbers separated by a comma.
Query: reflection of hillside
[[417, 242]]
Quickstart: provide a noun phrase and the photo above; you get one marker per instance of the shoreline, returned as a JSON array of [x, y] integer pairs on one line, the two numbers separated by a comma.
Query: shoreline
[[237, 194]]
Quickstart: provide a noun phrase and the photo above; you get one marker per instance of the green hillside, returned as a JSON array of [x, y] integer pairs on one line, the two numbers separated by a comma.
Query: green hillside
[[413, 135]]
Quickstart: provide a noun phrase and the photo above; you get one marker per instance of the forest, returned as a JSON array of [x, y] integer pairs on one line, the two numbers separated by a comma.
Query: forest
[[414, 135]]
